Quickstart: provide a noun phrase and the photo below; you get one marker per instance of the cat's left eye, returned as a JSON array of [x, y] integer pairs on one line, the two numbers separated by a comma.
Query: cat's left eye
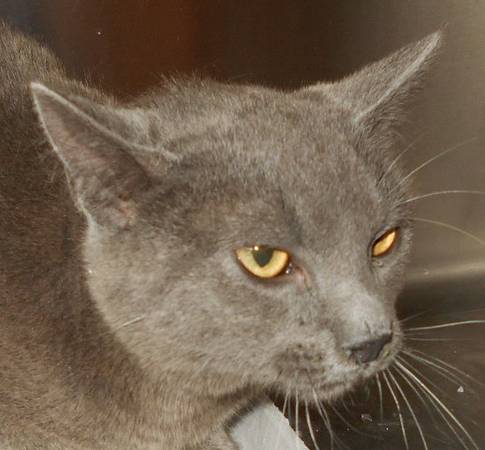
[[385, 243], [264, 261]]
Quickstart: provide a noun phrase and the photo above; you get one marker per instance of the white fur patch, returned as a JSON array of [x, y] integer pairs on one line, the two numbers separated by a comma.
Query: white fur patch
[[266, 428]]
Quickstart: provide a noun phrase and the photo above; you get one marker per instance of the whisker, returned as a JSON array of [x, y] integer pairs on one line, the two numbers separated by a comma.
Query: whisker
[[438, 193], [450, 366], [421, 313], [413, 316], [278, 436], [442, 405], [449, 227], [396, 160], [425, 334], [421, 374], [474, 310], [381, 403], [310, 428], [448, 325], [420, 339], [433, 158], [418, 394], [436, 406], [323, 414], [433, 402], [326, 419], [297, 416], [406, 400], [398, 406], [415, 386], [129, 322], [290, 415], [345, 406], [445, 373], [285, 403]]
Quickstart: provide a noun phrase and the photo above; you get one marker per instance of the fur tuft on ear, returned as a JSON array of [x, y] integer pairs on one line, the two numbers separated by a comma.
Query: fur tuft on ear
[[377, 93], [104, 174]]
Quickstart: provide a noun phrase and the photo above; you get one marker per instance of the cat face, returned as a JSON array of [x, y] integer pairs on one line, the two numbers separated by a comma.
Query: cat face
[[180, 187]]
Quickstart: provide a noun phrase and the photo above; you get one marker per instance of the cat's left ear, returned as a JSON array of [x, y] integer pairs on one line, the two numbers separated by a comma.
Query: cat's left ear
[[106, 172], [377, 93]]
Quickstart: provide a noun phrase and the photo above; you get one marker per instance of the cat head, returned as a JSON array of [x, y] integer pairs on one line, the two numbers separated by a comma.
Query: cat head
[[243, 235]]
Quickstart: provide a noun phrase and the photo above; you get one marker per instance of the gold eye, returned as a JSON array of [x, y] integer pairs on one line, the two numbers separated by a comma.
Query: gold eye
[[262, 261], [385, 243]]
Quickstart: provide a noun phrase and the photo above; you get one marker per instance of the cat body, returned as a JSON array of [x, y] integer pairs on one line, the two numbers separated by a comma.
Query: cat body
[[126, 320]]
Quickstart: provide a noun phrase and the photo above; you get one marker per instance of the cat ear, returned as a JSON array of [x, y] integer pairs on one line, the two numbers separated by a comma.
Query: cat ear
[[377, 92], [104, 174]]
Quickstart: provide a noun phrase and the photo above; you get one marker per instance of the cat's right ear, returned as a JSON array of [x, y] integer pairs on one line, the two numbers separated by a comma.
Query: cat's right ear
[[376, 94], [105, 175]]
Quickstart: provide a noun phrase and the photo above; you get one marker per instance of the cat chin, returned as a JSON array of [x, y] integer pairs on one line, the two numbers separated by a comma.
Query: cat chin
[[312, 387], [327, 392]]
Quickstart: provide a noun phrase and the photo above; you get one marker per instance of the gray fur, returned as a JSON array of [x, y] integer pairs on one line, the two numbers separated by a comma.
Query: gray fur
[[125, 319]]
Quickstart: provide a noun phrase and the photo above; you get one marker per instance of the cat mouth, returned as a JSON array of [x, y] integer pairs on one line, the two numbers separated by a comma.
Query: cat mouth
[[318, 380], [329, 391], [316, 384], [314, 388]]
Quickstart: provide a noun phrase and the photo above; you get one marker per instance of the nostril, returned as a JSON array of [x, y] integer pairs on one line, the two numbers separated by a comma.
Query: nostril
[[368, 351]]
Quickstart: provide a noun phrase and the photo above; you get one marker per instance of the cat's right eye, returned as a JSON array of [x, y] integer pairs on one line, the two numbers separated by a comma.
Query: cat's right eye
[[385, 243], [263, 261]]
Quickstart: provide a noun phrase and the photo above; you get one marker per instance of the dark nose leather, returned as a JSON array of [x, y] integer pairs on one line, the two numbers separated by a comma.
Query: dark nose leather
[[368, 351]]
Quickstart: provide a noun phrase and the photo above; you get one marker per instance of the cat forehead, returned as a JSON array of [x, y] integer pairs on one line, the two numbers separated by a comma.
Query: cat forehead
[[282, 139], [220, 120], [300, 187], [194, 107]]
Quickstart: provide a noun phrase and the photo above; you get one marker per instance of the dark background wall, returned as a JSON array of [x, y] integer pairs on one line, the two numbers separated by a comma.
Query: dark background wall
[[282, 43]]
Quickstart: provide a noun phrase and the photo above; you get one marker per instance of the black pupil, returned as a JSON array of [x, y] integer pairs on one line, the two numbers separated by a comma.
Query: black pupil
[[263, 255]]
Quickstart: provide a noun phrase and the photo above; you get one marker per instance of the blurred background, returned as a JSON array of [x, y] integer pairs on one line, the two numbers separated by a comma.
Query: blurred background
[[126, 46]]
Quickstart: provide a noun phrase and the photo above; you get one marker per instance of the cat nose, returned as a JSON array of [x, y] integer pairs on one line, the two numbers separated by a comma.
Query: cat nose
[[368, 351]]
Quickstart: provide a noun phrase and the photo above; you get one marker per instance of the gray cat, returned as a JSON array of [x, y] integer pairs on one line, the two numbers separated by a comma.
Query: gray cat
[[166, 261]]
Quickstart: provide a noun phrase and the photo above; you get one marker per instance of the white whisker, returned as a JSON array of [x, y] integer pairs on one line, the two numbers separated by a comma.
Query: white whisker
[[326, 419], [450, 366], [310, 428], [381, 402], [449, 227], [438, 193], [278, 436], [420, 339], [418, 394], [429, 161], [421, 374], [432, 402], [290, 414], [285, 403], [297, 416], [448, 325], [442, 405], [398, 406], [130, 322], [413, 316], [346, 407], [445, 373], [423, 439], [396, 160]]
